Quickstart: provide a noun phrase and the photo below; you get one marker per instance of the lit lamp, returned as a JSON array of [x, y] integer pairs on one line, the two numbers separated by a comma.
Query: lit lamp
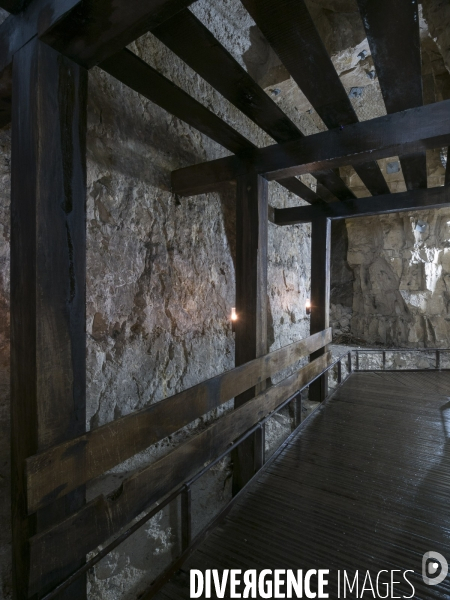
[[308, 307], [233, 318]]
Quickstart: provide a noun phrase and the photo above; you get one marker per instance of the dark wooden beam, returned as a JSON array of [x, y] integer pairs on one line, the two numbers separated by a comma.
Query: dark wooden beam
[[187, 37], [251, 299], [447, 168], [104, 516], [291, 32], [83, 458], [5, 95], [14, 6], [87, 31], [48, 273], [363, 207], [401, 133], [320, 295], [142, 78], [393, 33]]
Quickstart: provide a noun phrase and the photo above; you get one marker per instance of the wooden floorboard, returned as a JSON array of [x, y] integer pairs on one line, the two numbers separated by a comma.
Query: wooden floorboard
[[364, 485]]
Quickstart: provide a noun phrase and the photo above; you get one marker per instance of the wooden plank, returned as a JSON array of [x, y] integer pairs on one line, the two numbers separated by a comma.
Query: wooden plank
[[53, 550], [320, 295], [393, 33], [203, 53], [251, 299], [363, 207], [291, 32], [87, 31], [401, 133], [48, 270], [62, 468]]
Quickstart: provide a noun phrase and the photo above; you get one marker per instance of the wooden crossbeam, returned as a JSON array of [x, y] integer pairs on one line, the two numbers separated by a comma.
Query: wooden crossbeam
[[393, 33], [58, 547], [409, 131], [291, 32], [364, 207], [187, 37]]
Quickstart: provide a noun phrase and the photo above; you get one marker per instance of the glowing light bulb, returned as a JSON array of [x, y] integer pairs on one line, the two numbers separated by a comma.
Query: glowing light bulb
[[233, 314], [308, 307]]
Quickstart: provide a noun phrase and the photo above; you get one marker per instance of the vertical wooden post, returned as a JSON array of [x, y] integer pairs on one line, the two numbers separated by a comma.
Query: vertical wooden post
[[251, 300], [48, 266], [320, 295]]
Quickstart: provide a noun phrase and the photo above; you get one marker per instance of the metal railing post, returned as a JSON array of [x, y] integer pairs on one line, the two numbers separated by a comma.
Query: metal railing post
[[339, 375], [438, 359], [357, 360], [349, 362], [384, 359]]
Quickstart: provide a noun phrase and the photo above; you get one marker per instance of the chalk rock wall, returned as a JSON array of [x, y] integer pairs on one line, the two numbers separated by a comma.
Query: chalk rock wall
[[401, 267]]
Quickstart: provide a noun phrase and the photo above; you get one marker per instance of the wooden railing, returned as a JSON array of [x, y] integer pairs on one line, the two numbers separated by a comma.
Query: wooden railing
[[57, 471]]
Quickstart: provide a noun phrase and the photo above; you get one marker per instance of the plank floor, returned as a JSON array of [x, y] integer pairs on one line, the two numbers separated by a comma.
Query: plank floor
[[365, 485]]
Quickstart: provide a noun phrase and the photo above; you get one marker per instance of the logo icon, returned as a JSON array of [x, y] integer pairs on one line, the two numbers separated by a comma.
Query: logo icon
[[434, 568]]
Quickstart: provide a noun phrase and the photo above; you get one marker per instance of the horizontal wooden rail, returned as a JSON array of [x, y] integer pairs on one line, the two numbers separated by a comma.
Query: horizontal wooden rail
[[64, 467], [54, 550]]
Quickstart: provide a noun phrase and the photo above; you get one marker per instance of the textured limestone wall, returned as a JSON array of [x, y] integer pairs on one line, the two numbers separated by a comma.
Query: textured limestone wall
[[401, 266], [160, 285]]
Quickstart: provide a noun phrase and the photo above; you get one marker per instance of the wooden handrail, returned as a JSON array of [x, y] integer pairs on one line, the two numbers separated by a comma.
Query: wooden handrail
[[62, 468], [53, 551]]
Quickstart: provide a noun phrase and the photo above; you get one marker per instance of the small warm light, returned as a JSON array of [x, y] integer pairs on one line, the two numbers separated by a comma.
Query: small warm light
[[308, 307], [233, 314]]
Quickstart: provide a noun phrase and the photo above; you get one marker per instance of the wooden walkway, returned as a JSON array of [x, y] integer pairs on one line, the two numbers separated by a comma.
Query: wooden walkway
[[365, 485]]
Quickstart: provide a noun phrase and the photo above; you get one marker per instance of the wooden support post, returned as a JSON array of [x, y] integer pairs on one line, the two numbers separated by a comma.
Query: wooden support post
[[48, 266], [320, 295], [251, 299]]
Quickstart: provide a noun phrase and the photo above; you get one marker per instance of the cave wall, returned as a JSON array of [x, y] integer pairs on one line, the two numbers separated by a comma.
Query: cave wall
[[401, 266]]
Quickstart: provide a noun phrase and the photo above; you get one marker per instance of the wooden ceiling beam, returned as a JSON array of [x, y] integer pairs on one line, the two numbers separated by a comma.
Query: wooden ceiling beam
[[393, 33], [291, 32], [189, 39], [364, 207], [128, 68], [406, 132]]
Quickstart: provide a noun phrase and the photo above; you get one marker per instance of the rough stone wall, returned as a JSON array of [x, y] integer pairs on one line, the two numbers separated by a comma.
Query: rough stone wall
[[401, 266], [160, 285]]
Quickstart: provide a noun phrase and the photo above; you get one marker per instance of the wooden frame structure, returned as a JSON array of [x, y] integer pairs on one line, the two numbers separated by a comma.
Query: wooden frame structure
[[47, 46]]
